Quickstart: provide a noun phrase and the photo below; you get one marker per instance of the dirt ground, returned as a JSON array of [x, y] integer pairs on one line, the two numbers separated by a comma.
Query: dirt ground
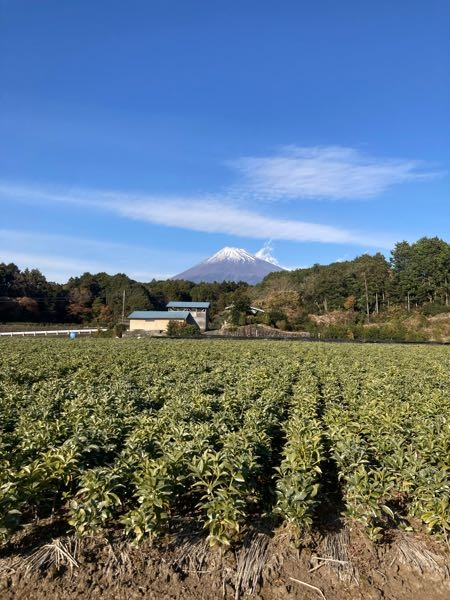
[[339, 565]]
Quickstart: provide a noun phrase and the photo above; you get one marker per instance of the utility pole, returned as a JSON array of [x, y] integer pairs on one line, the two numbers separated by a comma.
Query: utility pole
[[123, 308], [367, 298]]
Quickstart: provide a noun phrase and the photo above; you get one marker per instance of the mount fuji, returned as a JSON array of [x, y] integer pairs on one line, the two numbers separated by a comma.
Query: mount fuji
[[230, 264]]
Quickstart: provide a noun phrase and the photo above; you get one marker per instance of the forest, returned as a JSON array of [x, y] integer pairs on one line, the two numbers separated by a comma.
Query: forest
[[415, 279]]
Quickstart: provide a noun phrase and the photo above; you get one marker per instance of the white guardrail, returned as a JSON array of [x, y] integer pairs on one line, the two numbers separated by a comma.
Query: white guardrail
[[52, 332]]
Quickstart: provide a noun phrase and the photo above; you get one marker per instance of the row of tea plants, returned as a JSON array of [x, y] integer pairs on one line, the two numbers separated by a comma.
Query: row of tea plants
[[156, 435]]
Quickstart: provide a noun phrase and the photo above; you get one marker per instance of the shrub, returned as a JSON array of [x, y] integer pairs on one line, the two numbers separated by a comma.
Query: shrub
[[433, 308], [182, 329]]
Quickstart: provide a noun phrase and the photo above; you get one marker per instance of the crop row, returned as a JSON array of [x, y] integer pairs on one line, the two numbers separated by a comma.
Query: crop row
[[154, 435]]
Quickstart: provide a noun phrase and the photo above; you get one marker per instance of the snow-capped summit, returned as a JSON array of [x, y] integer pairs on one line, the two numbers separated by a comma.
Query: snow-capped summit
[[230, 264], [233, 254]]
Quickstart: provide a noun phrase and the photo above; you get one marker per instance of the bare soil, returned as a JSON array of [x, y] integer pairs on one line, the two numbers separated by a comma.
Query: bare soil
[[339, 565]]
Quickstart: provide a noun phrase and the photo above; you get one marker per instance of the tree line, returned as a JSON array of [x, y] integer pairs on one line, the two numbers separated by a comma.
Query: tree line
[[96, 299], [415, 277]]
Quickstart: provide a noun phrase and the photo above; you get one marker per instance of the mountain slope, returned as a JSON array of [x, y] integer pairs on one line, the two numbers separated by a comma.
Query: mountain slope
[[230, 264]]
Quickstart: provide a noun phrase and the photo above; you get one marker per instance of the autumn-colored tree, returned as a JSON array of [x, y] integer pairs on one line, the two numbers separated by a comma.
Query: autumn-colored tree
[[105, 316], [350, 303], [29, 305]]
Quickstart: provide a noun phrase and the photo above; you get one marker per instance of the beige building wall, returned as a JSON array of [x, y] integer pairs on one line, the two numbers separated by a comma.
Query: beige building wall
[[200, 316], [151, 324]]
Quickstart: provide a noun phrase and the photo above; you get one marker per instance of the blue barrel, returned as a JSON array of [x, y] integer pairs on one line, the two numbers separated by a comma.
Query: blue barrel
[[73, 335]]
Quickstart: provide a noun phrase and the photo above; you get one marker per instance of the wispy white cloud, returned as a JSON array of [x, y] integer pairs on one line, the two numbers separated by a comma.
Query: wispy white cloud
[[60, 257], [58, 269], [325, 172], [266, 253], [44, 240], [212, 215], [206, 214], [294, 173]]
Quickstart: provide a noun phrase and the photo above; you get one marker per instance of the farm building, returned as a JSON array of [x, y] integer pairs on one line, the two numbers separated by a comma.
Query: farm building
[[198, 310], [156, 321]]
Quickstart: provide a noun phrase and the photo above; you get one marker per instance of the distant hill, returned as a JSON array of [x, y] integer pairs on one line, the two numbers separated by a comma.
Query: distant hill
[[230, 264]]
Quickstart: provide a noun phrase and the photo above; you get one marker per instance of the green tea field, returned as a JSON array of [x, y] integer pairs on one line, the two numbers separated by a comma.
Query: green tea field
[[233, 451]]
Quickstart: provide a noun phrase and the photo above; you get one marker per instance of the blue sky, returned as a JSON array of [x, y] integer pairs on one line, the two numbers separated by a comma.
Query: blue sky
[[143, 136]]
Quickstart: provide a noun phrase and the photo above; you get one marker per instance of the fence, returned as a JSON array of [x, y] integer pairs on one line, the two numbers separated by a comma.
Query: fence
[[51, 332]]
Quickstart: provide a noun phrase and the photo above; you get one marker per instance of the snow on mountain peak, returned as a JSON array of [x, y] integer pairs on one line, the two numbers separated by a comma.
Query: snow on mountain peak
[[231, 254], [230, 264]]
